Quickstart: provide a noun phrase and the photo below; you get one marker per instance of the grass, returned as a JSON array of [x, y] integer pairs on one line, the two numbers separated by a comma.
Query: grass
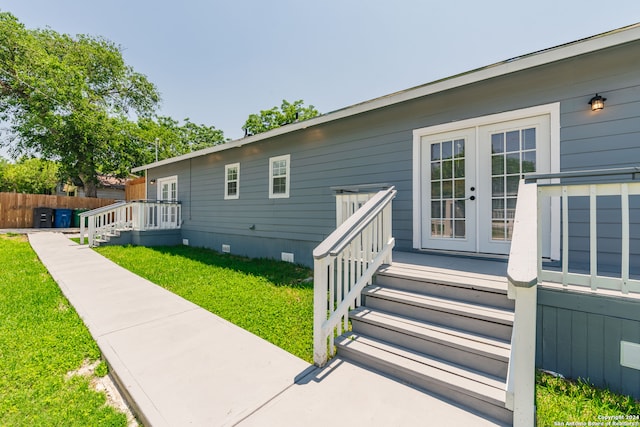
[[269, 298], [561, 402], [41, 340]]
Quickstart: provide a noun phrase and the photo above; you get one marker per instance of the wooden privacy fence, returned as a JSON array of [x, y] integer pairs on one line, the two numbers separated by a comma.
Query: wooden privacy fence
[[135, 189], [16, 209]]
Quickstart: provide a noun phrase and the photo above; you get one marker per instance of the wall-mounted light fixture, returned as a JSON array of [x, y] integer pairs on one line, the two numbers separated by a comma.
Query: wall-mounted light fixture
[[597, 102], [153, 181]]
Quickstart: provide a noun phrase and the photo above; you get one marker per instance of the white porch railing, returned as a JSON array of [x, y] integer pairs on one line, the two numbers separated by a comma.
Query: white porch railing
[[345, 263], [351, 198], [525, 270], [593, 279], [136, 215]]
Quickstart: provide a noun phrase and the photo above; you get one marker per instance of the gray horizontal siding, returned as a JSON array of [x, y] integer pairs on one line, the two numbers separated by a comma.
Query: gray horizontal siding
[[578, 336], [376, 147], [609, 138]]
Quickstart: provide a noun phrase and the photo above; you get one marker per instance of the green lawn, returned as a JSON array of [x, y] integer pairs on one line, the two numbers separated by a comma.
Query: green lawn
[[272, 299], [41, 340], [560, 401]]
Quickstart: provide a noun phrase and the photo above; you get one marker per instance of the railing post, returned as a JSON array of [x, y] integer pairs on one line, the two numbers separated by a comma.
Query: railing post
[[387, 230], [522, 274], [522, 375], [320, 307], [81, 229], [92, 229], [142, 212]]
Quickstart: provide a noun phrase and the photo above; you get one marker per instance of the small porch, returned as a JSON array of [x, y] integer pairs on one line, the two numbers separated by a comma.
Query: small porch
[[418, 315], [137, 222]]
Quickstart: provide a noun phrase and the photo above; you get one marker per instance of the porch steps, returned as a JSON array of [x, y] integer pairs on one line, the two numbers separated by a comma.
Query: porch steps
[[110, 238], [487, 354], [446, 332]]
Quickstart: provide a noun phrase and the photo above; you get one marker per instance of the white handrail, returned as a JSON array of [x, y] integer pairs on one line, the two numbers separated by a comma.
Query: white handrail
[[345, 263]]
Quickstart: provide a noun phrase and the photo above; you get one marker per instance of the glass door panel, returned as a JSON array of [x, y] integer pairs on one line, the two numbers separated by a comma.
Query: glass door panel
[[448, 162], [513, 153], [510, 150]]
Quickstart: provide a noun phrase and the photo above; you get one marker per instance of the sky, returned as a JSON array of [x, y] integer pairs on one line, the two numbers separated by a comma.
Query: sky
[[215, 62]]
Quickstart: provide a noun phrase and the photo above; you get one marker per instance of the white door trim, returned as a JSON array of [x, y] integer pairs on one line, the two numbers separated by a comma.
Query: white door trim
[[552, 110]]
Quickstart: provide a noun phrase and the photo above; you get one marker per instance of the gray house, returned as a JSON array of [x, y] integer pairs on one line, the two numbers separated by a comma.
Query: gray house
[[437, 171]]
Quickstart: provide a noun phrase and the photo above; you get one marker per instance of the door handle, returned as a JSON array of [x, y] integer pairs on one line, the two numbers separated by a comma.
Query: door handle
[[471, 198]]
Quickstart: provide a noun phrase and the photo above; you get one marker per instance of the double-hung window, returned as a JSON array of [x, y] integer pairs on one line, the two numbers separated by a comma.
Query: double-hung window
[[279, 177], [232, 181]]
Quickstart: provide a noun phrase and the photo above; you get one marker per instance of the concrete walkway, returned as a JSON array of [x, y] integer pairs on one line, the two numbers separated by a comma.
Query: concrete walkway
[[180, 365]]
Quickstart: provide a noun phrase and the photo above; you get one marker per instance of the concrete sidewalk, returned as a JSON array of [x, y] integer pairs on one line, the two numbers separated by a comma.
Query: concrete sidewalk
[[180, 365]]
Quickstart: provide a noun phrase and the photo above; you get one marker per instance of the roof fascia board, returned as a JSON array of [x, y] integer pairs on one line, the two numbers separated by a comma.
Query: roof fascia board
[[535, 59]]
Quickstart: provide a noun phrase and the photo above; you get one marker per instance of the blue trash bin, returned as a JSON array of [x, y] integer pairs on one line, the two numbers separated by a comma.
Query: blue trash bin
[[62, 218]]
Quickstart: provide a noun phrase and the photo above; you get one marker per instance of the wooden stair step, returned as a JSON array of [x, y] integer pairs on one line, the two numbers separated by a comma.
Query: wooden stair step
[[487, 313], [424, 371], [482, 282], [487, 346]]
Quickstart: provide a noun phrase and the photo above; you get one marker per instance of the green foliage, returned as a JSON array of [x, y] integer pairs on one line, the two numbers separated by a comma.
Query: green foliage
[[32, 176], [69, 99], [276, 117], [4, 165], [42, 339], [102, 369], [268, 298], [562, 401], [172, 138]]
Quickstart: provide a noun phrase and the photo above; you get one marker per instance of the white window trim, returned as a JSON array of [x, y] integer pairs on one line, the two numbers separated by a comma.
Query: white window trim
[[553, 110], [228, 196], [285, 195]]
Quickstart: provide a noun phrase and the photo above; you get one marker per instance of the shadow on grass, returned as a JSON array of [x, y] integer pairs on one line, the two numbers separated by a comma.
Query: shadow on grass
[[278, 272]]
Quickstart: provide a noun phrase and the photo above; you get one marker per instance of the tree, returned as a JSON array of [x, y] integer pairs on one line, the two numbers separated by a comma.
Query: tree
[[173, 139], [276, 117], [30, 175], [69, 99], [4, 164]]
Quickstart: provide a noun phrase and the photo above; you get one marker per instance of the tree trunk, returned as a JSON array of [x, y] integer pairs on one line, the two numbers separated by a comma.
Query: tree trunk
[[90, 189], [90, 184]]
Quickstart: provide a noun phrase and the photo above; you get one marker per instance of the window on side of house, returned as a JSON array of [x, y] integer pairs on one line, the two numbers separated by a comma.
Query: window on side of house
[[232, 181], [279, 177]]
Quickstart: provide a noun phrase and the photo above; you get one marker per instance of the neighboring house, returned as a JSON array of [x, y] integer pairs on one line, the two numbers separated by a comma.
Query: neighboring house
[[455, 150], [109, 187]]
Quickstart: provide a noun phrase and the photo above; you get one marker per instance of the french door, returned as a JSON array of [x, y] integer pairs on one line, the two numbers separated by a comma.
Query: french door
[[168, 192], [469, 180]]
